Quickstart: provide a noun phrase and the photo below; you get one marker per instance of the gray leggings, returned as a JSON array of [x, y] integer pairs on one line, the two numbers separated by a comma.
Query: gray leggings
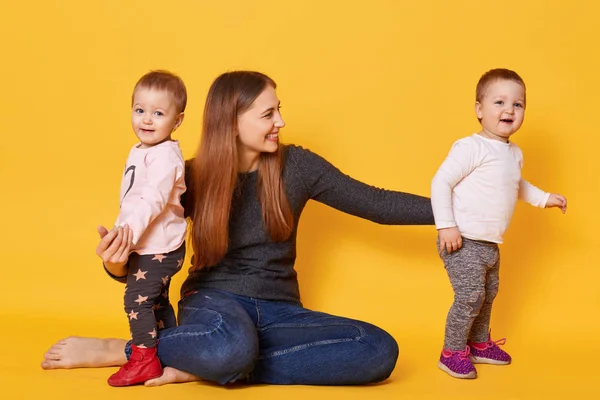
[[473, 272]]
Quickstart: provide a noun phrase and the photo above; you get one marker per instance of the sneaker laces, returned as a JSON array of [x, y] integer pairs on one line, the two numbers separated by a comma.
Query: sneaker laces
[[461, 354], [464, 354], [491, 343]]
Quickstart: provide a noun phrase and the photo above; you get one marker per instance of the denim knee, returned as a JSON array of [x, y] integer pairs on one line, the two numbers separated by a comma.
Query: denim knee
[[216, 340], [384, 355], [229, 363]]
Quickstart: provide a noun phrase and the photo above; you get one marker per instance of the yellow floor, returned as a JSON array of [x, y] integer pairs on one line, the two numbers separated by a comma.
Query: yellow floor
[[542, 370]]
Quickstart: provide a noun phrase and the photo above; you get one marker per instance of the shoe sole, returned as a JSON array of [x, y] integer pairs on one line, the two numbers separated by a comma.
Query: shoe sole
[[133, 382], [470, 375], [481, 360]]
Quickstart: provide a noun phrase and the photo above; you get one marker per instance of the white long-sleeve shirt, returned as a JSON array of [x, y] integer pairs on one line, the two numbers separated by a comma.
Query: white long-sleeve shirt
[[476, 188], [152, 185]]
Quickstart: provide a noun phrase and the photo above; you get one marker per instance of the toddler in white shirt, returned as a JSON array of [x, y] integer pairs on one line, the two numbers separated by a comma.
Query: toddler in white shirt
[[473, 196]]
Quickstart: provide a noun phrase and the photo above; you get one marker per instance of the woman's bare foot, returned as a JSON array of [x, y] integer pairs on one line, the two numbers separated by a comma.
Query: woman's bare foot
[[80, 352], [172, 375]]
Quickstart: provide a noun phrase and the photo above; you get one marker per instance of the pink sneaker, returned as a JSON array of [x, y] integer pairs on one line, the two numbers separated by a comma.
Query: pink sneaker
[[457, 363], [489, 352]]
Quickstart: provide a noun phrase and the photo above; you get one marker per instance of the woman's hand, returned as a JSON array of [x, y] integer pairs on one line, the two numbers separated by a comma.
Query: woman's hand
[[114, 248]]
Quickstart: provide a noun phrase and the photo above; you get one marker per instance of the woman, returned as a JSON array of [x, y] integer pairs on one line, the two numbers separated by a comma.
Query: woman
[[240, 316]]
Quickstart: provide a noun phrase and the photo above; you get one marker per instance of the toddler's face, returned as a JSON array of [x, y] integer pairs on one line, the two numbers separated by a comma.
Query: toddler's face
[[154, 116], [502, 109]]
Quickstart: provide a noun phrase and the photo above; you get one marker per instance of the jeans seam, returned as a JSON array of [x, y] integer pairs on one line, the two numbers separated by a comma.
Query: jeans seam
[[257, 314], [312, 344], [305, 346], [360, 328]]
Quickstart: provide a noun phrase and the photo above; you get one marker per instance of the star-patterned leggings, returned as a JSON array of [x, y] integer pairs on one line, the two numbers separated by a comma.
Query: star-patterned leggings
[[147, 294]]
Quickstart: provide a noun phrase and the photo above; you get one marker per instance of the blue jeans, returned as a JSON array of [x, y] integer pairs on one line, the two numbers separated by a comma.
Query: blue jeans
[[223, 337]]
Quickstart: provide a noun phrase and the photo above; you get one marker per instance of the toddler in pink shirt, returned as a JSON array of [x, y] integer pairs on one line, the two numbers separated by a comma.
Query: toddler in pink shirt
[[152, 185]]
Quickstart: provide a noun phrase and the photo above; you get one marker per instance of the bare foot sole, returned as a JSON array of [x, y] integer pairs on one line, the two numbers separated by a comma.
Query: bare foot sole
[[172, 375], [80, 352]]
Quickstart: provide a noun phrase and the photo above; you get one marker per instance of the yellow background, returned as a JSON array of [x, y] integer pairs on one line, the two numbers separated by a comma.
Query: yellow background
[[379, 88]]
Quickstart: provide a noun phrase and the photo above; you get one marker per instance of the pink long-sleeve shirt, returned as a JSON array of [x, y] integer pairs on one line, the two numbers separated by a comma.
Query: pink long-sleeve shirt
[[152, 185], [476, 188]]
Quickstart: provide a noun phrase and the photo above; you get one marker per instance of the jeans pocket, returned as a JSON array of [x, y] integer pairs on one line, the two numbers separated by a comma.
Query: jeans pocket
[[210, 320]]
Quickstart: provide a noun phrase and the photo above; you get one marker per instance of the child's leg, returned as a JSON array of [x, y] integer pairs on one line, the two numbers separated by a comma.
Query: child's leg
[[467, 270], [144, 287], [163, 310], [483, 349], [481, 325], [146, 279]]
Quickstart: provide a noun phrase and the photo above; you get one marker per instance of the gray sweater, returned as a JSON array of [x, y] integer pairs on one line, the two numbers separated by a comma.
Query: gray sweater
[[254, 266]]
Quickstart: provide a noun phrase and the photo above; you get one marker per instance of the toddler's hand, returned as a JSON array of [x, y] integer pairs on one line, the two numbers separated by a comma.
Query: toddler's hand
[[556, 200], [450, 239]]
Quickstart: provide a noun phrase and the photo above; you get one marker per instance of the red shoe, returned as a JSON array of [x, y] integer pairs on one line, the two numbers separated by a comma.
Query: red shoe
[[143, 365]]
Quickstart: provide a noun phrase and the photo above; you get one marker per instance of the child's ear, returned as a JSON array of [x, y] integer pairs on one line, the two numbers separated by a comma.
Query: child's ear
[[478, 110], [178, 120]]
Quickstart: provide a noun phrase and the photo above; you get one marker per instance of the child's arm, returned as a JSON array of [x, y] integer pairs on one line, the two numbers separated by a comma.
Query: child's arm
[[538, 198], [162, 171], [461, 161], [535, 196]]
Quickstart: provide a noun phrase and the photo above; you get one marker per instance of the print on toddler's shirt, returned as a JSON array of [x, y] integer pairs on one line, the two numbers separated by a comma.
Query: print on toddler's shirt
[[132, 169]]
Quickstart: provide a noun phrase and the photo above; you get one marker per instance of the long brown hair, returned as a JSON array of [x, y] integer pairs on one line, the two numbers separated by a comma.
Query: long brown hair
[[215, 170]]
